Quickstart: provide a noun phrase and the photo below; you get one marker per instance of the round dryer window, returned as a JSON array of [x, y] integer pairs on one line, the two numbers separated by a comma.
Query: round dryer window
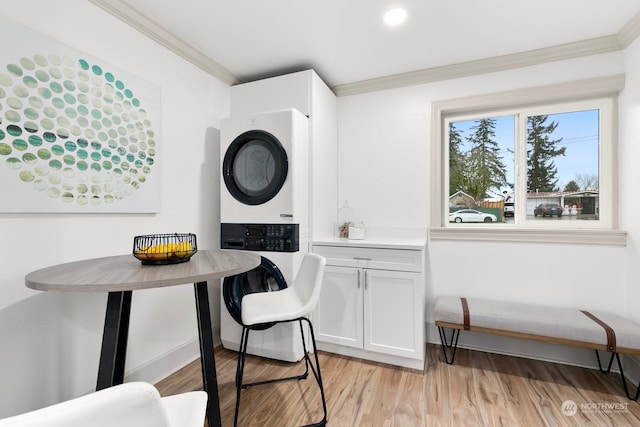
[[255, 167], [267, 277]]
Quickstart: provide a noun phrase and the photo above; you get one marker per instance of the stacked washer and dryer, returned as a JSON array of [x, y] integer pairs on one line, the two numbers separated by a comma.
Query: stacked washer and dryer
[[264, 207]]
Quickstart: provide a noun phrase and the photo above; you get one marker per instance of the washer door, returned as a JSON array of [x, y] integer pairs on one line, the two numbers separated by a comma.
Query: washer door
[[255, 167], [266, 277]]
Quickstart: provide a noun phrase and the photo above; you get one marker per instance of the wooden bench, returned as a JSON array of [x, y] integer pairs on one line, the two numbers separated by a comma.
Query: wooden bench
[[593, 330]]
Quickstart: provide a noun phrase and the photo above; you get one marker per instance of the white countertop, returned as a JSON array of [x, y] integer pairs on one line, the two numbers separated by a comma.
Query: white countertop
[[382, 242]]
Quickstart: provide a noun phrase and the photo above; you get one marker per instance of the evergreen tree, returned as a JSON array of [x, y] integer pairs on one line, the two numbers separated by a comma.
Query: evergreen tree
[[485, 168], [572, 186], [541, 150], [457, 161]]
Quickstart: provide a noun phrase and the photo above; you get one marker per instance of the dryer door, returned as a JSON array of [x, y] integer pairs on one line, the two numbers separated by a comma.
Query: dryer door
[[255, 167], [267, 277]]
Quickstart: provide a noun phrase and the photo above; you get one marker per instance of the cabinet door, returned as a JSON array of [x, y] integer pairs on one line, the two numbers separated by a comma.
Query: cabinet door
[[338, 317], [393, 321]]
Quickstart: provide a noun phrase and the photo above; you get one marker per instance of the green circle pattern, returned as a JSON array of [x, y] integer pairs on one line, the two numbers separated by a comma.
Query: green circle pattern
[[73, 131]]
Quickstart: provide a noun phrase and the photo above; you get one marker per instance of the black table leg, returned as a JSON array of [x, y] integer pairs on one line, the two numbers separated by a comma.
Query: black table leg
[[114, 340], [207, 356]]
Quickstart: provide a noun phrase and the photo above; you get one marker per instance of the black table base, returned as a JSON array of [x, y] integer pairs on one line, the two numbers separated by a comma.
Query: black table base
[[114, 346]]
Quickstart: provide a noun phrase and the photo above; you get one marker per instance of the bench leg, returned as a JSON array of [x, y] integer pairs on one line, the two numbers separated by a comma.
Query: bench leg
[[624, 381], [600, 365], [452, 344], [622, 377]]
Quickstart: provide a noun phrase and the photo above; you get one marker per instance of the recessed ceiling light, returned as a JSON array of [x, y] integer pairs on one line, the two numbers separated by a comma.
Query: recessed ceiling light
[[395, 16]]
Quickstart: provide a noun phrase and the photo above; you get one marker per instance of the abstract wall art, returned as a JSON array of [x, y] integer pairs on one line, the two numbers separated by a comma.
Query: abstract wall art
[[76, 134]]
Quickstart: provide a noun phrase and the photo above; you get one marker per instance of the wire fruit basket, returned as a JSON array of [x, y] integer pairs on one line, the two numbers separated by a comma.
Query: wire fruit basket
[[162, 249]]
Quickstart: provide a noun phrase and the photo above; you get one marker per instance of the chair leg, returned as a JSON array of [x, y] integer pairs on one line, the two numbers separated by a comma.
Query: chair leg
[[305, 352], [316, 373], [308, 364], [302, 376], [240, 370]]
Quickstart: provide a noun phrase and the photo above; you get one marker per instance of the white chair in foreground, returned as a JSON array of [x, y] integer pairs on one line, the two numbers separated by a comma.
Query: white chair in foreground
[[292, 304], [135, 404]]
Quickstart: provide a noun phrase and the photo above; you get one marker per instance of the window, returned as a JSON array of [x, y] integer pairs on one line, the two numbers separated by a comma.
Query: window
[[534, 164], [558, 154]]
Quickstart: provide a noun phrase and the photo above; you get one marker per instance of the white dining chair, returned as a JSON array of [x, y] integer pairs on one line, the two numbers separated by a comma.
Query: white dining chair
[[135, 404], [292, 304]]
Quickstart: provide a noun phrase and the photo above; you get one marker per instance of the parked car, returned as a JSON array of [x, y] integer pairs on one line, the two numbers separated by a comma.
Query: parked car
[[471, 215], [508, 209], [548, 209]]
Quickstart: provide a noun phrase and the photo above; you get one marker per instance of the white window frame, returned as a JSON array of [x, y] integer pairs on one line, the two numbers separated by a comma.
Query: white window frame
[[599, 93]]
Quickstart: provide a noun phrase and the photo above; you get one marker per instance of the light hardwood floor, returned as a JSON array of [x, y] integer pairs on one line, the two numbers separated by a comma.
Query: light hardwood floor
[[480, 389]]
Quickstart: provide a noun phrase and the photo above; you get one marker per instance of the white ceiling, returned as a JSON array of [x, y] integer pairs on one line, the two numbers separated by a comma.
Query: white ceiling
[[346, 42]]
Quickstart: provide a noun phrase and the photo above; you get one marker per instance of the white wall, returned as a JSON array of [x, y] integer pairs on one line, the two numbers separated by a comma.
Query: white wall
[[384, 158], [629, 154], [50, 342], [629, 175]]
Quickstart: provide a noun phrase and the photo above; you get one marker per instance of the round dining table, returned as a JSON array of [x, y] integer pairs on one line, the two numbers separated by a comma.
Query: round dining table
[[119, 276]]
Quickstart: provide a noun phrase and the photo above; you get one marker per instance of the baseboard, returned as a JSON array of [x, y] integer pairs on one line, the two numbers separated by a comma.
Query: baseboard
[[166, 364], [417, 364]]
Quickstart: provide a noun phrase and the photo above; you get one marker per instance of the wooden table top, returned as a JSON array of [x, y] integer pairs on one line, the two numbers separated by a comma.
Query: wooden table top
[[126, 273]]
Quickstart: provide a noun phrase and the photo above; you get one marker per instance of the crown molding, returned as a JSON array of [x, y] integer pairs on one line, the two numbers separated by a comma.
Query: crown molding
[[629, 32], [483, 66], [151, 29]]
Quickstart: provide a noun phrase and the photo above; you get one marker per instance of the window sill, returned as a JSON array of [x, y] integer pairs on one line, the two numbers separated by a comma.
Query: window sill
[[527, 235]]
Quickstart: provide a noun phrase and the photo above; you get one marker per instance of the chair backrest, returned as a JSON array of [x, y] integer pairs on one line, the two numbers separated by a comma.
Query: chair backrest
[[135, 404], [308, 281]]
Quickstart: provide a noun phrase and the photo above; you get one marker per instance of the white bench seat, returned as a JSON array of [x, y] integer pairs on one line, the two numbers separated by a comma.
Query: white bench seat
[[594, 330]]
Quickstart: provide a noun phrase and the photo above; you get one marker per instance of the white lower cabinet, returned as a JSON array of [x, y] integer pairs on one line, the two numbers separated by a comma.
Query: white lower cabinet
[[339, 315], [372, 312]]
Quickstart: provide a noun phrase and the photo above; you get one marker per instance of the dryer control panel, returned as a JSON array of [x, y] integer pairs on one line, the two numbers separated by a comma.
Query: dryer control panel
[[260, 237]]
